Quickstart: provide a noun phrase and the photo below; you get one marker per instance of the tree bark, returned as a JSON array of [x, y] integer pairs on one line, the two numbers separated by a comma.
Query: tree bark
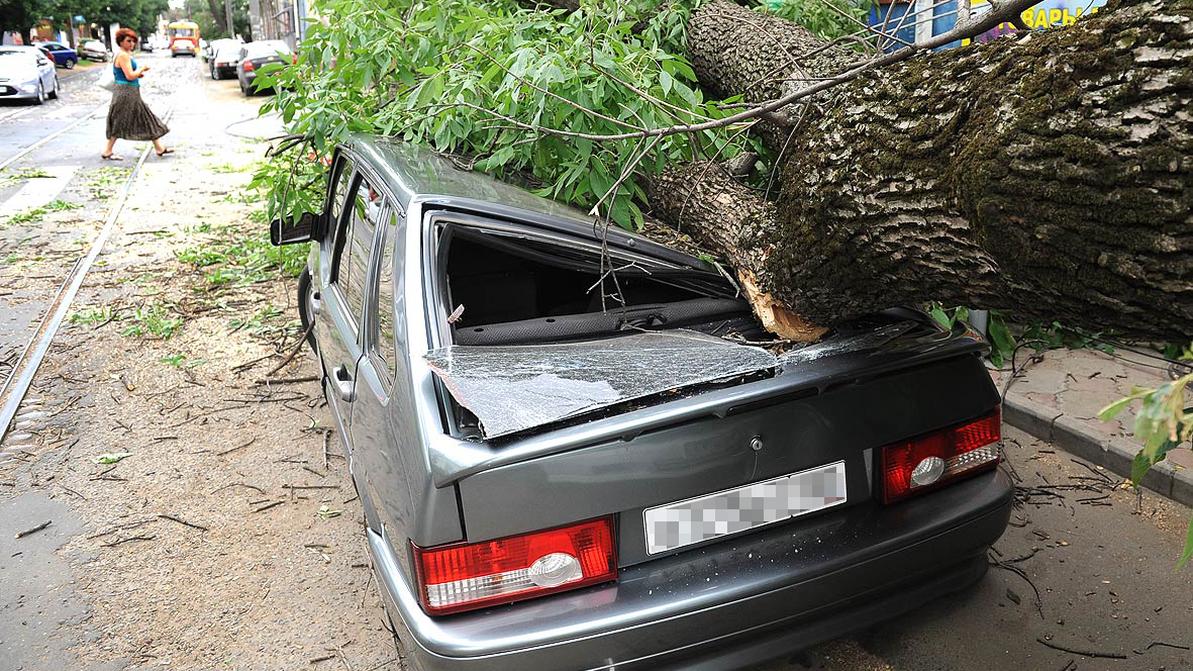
[[1050, 175], [217, 15]]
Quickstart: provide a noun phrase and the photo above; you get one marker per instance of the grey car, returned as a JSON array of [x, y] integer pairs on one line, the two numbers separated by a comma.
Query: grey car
[[255, 55], [571, 456]]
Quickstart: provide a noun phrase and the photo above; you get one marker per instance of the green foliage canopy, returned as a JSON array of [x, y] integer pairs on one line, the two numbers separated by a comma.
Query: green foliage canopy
[[472, 79]]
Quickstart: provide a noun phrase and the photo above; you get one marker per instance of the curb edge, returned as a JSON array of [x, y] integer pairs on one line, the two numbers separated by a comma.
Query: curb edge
[[1113, 453]]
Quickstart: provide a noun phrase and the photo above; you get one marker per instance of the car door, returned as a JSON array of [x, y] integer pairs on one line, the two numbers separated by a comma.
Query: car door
[[376, 455], [339, 312], [45, 71]]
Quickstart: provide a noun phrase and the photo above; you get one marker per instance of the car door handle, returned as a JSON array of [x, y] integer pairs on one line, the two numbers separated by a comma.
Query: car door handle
[[343, 382], [316, 304]]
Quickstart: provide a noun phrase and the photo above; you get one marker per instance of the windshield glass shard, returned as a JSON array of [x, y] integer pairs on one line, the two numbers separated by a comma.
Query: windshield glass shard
[[513, 388]]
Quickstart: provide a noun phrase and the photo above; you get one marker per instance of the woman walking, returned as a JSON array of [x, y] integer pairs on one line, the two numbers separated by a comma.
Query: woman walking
[[128, 116]]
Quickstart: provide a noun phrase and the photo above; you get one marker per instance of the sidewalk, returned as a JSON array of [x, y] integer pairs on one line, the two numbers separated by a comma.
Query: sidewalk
[[1056, 396]]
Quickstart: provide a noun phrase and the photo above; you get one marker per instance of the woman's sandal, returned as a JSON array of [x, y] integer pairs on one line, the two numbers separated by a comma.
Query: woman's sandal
[[111, 157], [165, 151]]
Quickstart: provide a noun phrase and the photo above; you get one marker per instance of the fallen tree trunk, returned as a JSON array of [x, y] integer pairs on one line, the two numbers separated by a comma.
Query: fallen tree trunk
[[1050, 175]]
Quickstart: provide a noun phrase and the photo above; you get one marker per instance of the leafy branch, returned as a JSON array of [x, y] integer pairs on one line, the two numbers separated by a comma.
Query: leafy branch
[[1163, 422]]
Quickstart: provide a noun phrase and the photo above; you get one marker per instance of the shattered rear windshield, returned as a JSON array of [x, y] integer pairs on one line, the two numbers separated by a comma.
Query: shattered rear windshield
[[512, 388]]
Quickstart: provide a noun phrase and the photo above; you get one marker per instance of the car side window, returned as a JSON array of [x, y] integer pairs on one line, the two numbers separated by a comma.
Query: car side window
[[343, 178], [362, 218], [385, 296]]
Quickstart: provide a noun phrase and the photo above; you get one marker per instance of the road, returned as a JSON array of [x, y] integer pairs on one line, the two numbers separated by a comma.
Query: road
[[228, 537]]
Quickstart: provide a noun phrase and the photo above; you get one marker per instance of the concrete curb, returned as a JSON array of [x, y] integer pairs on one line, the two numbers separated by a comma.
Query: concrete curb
[[1115, 454]]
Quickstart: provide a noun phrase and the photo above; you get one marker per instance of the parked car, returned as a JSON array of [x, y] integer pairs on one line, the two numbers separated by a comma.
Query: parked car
[[254, 55], [550, 484], [94, 50], [222, 56], [26, 74], [62, 55]]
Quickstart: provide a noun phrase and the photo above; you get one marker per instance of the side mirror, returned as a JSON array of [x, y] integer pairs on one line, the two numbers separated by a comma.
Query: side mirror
[[288, 231]]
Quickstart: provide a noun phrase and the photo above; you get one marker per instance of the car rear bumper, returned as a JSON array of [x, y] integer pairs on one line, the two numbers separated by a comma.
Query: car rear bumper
[[728, 605]]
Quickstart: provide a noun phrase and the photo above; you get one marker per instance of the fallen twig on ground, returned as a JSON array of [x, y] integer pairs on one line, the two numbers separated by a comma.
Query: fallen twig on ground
[[238, 447], [1083, 653], [183, 522], [130, 539], [29, 532], [294, 352]]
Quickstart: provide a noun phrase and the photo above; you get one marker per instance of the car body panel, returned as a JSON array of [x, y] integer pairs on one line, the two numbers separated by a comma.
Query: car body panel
[[713, 453], [62, 55], [224, 58], [94, 50], [788, 577], [20, 75], [422, 483], [259, 54]]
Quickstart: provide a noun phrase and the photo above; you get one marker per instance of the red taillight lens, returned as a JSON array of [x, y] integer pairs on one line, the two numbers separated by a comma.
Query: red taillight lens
[[463, 577], [924, 463], [248, 66]]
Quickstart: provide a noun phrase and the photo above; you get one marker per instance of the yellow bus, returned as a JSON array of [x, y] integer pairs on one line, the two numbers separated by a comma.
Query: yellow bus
[[184, 38]]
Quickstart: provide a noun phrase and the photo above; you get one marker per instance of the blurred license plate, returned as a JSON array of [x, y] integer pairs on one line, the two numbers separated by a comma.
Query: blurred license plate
[[732, 511]]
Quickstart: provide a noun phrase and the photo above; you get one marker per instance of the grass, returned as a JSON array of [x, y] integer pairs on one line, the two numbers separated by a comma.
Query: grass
[[27, 217], [93, 317], [179, 360], [235, 255], [226, 168], [152, 320], [59, 205], [34, 215], [257, 322], [103, 180], [7, 177]]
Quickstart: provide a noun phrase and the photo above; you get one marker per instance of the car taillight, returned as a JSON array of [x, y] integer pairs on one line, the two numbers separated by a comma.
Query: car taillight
[[920, 464], [248, 66], [462, 577]]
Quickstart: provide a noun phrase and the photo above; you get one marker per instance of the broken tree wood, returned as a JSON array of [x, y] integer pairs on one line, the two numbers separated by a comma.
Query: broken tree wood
[[1050, 175], [29, 532]]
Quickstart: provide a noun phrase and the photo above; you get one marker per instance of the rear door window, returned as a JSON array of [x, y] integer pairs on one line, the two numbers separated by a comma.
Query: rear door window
[[361, 224], [384, 349], [340, 192]]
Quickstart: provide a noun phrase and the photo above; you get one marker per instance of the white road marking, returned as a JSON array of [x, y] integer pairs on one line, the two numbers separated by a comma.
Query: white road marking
[[38, 191]]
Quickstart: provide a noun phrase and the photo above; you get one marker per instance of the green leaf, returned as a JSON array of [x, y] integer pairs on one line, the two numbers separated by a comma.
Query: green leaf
[[666, 81], [1111, 411], [1139, 467], [1188, 553], [941, 317], [112, 458]]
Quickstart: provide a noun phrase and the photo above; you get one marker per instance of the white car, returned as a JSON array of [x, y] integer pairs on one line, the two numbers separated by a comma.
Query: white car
[[94, 50], [26, 73]]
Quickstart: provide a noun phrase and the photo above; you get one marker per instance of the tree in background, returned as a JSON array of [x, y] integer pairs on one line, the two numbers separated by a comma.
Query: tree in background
[[20, 16], [209, 14]]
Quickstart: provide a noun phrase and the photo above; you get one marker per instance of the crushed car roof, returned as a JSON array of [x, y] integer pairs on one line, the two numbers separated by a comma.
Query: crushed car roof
[[418, 175]]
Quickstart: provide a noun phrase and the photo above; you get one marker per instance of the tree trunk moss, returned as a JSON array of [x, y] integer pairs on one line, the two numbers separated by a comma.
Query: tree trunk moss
[[1051, 175]]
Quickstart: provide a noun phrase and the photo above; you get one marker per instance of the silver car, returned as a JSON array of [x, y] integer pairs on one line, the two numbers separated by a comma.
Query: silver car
[[572, 455], [26, 74], [94, 50]]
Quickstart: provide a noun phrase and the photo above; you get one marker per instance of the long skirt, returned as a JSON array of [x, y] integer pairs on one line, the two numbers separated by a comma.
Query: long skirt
[[129, 118]]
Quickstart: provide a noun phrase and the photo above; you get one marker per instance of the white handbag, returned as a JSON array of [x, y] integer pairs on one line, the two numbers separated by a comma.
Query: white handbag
[[107, 80]]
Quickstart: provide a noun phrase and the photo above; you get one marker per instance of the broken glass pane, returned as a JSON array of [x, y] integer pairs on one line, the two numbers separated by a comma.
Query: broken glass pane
[[517, 387], [855, 343]]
